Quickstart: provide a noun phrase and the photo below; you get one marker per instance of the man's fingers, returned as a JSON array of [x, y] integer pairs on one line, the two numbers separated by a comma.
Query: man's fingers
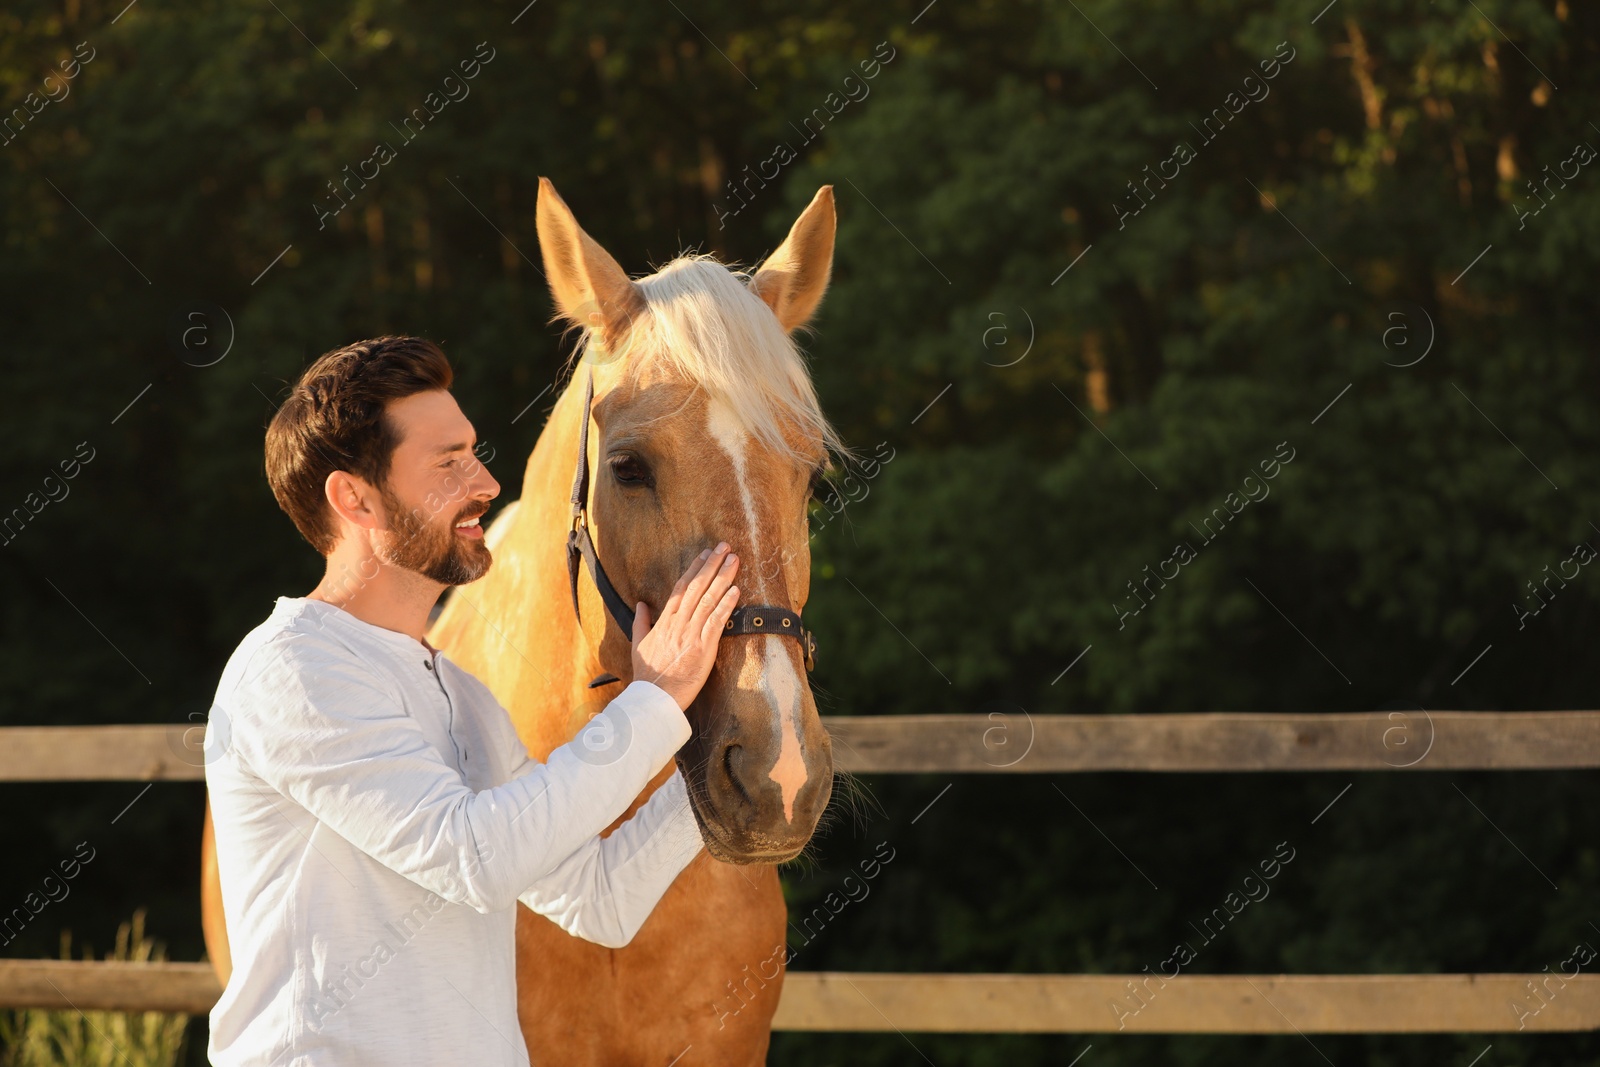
[[692, 619], [711, 631], [703, 574], [701, 579], [676, 596], [641, 621], [712, 597], [681, 590]]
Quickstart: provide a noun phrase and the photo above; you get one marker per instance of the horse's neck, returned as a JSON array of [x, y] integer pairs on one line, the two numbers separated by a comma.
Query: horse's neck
[[514, 628]]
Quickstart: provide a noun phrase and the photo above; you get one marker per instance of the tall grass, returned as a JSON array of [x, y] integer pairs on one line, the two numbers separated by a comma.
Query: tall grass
[[34, 1037]]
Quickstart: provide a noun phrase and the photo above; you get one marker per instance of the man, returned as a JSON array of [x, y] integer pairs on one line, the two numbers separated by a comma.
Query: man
[[377, 818]]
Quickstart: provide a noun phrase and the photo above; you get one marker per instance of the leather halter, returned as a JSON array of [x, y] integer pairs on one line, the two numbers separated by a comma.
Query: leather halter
[[759, 619]]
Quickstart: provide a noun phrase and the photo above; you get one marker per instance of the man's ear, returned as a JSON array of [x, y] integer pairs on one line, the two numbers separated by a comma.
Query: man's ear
[[352, 500], [793, 279]]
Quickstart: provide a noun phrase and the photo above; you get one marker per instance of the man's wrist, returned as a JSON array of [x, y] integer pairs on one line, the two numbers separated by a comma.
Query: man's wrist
[[650, 703], [657, 682]]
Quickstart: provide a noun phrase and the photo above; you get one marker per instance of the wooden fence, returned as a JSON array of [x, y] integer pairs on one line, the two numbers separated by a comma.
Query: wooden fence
[[1015, 743]]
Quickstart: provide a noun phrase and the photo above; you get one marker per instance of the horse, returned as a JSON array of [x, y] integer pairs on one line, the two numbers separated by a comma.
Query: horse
[[707, 427]]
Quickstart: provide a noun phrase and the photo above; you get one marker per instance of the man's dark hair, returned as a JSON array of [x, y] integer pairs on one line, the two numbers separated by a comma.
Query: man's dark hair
[[335, 420]]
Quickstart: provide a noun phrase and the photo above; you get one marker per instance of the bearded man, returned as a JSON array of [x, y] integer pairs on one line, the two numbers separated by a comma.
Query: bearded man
[[376, 817]]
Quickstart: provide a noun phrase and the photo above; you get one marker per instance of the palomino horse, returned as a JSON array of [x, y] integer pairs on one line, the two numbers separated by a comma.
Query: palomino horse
[[706, 428]]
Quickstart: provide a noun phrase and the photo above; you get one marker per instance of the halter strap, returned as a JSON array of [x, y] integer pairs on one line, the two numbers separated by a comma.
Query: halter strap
[[579, 544], [747, 619]]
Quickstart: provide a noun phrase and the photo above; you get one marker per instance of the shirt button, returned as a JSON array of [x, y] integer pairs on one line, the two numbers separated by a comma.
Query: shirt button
[[428, 665]]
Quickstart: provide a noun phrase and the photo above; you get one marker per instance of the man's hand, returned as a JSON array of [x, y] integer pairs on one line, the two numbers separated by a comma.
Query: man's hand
[[677, 651]]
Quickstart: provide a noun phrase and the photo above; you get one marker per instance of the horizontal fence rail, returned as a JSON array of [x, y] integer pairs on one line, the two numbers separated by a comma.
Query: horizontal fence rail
[[1189, 1004], [994, 1003], [1212, 741], [1013, 743]]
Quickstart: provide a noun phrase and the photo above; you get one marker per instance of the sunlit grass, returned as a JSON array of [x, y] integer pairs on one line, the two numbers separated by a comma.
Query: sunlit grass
[[38, 1038]]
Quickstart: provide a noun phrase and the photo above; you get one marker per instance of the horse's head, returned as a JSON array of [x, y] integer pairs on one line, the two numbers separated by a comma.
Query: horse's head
[[707, 428]]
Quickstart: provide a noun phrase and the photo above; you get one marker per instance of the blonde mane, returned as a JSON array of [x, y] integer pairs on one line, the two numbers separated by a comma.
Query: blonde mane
[[702, 325]]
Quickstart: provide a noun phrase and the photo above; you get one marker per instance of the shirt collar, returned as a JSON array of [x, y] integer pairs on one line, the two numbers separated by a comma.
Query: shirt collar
[[325, 613]]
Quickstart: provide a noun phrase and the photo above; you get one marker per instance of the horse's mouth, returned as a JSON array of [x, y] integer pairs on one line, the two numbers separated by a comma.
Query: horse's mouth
[[748, 859], [719, 849]]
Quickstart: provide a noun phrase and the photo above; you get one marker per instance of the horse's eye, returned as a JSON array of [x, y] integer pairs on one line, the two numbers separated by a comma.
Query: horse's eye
[[821, 488], [629, 470]]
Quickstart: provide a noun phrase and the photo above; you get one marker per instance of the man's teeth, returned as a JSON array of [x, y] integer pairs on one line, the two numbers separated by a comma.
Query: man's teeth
[[470, 522]]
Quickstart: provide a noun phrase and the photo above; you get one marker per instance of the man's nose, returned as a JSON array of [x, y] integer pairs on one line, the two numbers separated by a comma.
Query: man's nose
[[487, 486]]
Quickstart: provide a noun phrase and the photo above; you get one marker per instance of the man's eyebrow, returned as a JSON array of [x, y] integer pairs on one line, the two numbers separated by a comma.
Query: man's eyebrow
[[460, 446]]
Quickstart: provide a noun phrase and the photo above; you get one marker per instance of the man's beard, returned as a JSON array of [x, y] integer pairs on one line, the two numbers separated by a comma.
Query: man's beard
[[439, 554]]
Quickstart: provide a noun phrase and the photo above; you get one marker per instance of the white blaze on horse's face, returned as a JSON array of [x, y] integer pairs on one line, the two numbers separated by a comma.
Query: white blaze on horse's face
[[773, 673]]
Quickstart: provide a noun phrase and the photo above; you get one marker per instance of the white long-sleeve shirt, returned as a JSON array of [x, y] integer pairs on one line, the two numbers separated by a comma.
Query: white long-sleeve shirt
[[377, 819]]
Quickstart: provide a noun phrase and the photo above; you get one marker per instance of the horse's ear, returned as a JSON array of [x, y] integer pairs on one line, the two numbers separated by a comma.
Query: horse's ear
[[793, 279], [590, 288]]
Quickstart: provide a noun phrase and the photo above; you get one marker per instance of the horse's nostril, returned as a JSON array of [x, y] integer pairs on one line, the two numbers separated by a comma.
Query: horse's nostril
[[733, 778]]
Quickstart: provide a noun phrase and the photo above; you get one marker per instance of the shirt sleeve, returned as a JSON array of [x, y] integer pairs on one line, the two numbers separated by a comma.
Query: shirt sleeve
[[606, 890], [333, 736]]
